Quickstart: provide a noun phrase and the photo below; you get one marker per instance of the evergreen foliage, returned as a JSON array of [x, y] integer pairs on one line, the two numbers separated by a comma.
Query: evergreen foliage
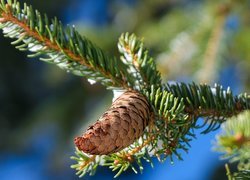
[[234, 143], [176, 107], [141, 65], [66, 48]]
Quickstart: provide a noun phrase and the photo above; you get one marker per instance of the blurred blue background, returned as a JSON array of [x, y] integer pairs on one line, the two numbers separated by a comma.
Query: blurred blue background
[[42, 107]]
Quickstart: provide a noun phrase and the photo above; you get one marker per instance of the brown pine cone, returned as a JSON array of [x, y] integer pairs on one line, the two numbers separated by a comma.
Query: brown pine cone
[[118, 127]]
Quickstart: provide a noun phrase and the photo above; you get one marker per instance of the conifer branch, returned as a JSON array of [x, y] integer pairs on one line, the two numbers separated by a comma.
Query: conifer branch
[[86, 164], [170, 111], [142, 66], [65, 48], [234, 143], [213, 103]]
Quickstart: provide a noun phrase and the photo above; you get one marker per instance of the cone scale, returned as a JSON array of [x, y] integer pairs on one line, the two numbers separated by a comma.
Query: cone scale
[[123, 123]]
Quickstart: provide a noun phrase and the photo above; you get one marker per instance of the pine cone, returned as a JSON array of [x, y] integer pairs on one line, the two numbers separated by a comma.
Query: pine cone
[[118, 127]]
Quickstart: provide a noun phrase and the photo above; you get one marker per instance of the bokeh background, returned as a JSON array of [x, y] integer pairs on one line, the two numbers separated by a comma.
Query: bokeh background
[[42, 108]]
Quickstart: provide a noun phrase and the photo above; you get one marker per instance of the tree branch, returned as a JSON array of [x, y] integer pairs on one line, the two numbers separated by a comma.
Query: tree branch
[[71, 47]]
